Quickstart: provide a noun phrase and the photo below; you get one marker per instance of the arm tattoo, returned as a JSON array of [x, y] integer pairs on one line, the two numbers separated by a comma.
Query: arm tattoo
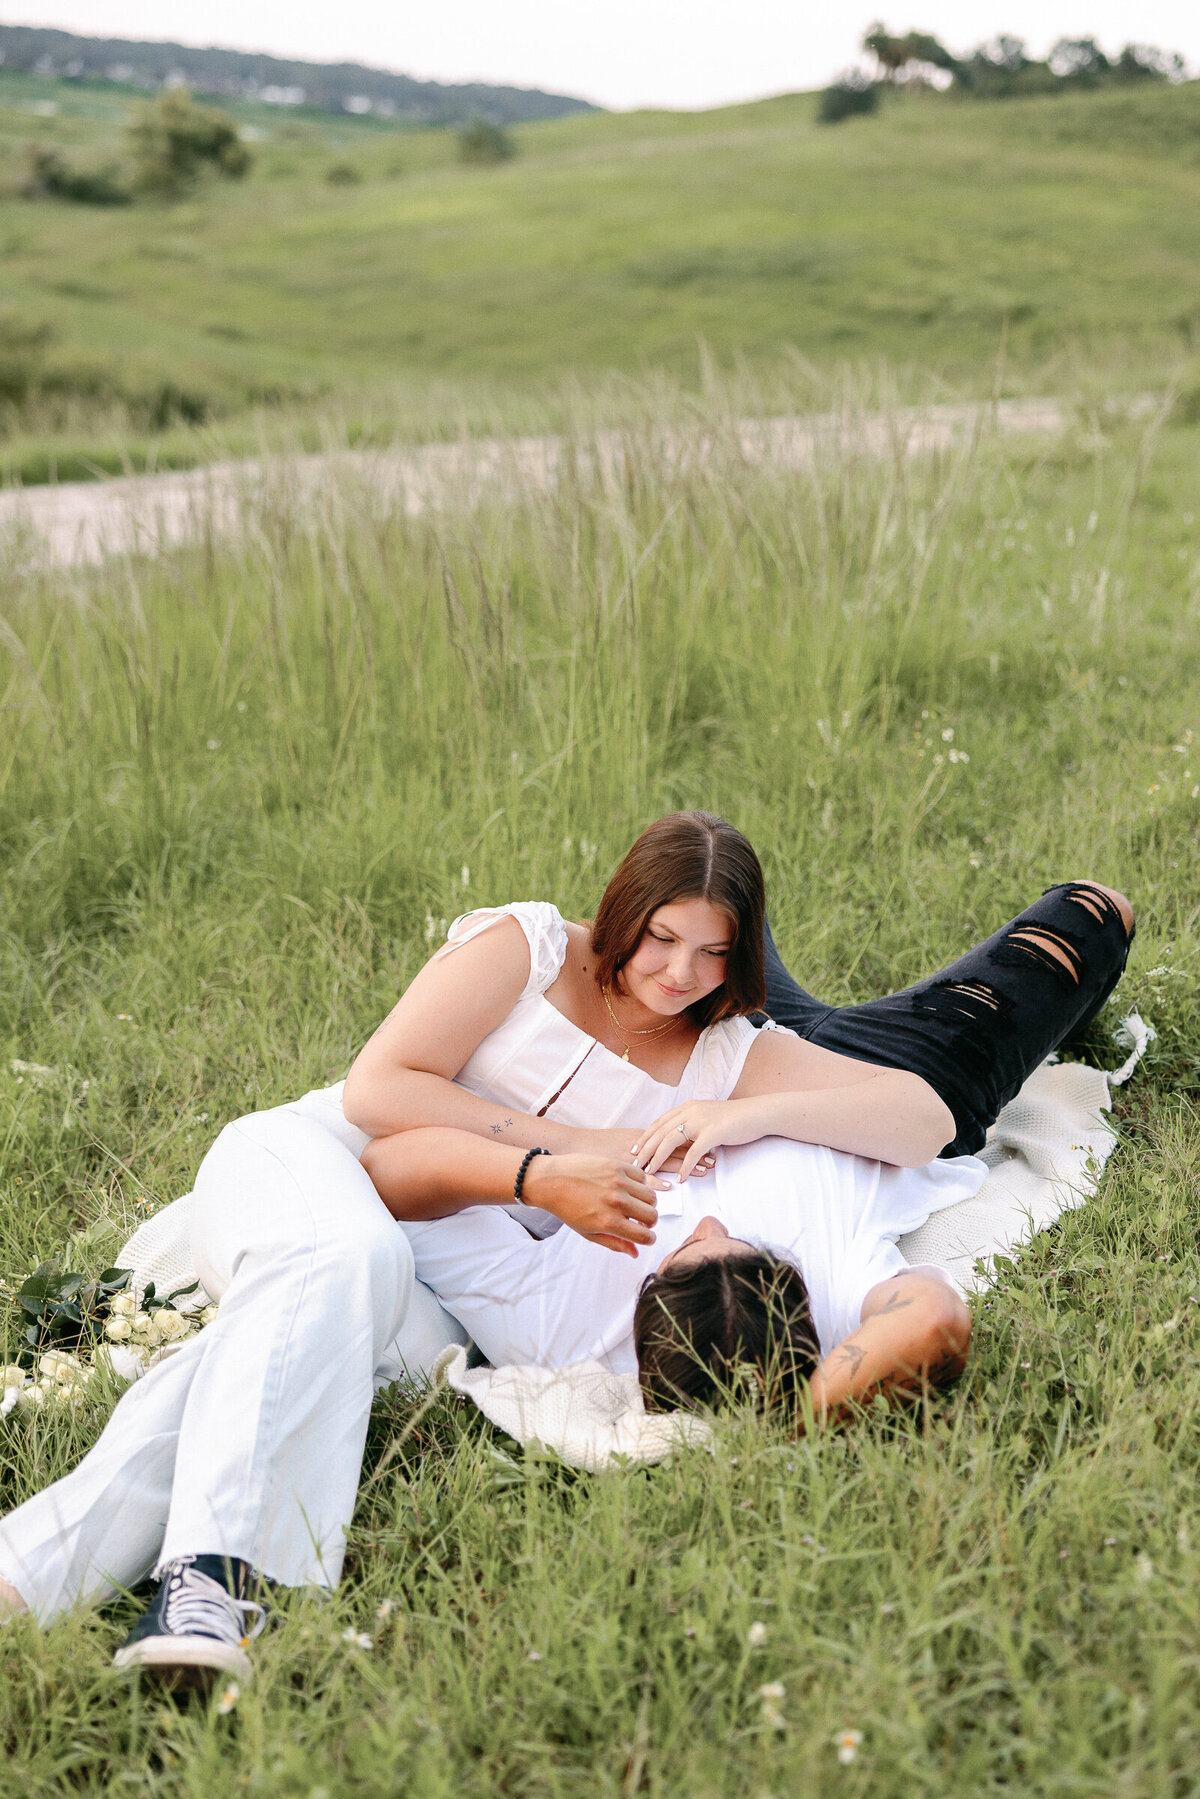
[[498, 1130], [895, 1304], [850, 1352]]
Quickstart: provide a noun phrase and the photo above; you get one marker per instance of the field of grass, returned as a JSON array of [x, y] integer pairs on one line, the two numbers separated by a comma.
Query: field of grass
[[241, 786], [428, 297]]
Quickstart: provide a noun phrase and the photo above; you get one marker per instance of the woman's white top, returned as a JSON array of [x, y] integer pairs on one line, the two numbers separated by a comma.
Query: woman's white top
[[835, 1217], [537, 1059]]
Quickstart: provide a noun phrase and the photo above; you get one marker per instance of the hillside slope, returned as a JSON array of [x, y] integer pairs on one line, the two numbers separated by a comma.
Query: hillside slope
[[925, 236]]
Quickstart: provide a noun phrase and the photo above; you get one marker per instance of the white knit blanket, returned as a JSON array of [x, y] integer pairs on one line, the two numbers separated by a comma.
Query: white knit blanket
[[1046, 1152]]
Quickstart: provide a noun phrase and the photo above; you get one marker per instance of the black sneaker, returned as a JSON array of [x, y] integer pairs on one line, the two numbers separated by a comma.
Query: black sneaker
[[195, 1628]]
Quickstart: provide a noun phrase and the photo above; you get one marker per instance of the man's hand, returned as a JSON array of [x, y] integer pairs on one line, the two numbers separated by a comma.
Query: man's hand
[[608, 1201]]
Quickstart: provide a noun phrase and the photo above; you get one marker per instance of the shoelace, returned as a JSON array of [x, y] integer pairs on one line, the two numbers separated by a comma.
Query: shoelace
[[199, 1606]]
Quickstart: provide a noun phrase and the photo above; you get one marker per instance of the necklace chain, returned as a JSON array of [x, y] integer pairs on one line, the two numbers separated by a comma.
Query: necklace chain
[[658, 1030]]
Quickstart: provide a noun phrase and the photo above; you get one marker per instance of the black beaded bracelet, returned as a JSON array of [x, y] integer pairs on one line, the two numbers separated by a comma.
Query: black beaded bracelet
[[520, 1180]]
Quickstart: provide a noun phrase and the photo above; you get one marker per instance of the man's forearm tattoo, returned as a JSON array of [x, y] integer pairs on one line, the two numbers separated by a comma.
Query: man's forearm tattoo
[[498, 1130]]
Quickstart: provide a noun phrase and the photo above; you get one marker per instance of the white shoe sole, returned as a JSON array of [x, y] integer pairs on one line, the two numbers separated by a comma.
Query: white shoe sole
[[187, 1661]]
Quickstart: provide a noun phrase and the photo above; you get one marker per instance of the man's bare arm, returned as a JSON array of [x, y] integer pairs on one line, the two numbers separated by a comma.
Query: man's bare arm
[[915, 1334]]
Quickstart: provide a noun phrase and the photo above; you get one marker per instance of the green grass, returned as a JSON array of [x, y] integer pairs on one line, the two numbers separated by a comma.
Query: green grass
[[1060, 232], [238, 788]]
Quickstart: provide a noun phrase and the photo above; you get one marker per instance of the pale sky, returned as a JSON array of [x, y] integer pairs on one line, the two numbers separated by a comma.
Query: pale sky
[[621, 53]]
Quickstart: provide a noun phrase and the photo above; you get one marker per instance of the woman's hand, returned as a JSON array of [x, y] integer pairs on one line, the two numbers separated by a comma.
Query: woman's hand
[[608, 1201], [687, 1136], [625, 1144]]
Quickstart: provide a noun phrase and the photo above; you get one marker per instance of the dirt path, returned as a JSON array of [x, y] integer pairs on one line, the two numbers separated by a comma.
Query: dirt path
[[84, 521]]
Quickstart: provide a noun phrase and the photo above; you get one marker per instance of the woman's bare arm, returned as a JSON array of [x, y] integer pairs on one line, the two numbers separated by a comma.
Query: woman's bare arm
[[790, 1088], [433, 1172], [915, 1334], [403, 1078]]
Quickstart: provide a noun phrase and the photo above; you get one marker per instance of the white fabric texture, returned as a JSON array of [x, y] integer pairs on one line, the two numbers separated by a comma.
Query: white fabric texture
[[589, 1416], [247, 1440], [1045, 1154]]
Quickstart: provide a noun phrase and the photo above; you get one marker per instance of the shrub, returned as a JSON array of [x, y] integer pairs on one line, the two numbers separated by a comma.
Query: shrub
[[853, 94], [342, 174], [51, 176], [483, 142], [22, 357], [174, 142]]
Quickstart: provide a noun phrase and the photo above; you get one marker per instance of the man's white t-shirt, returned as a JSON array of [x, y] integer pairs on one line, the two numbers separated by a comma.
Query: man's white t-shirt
[[559, 1300]]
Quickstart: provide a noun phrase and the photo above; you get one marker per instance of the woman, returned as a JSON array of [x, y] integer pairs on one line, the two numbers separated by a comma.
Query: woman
[[240, 1455]]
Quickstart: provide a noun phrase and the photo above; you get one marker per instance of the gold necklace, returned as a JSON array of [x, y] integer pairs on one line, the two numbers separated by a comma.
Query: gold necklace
[[658, 1030]]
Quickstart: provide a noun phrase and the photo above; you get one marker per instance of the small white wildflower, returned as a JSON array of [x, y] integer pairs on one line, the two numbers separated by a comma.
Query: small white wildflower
[[690, 1633], [948, 734], [756, 1636], [466, 875], [230, 1695], [384, 1610], [241, 705], [1144, 1570], [358, 1639], [938, 760], [214, 743], [847, 1743], [774, 1690], [974, 862], [887, 1608], [535, 1655], [1110, 1542], [124, 1017]]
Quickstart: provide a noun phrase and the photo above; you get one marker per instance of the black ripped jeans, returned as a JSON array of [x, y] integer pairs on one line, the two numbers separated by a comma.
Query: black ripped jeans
[[977, 1029]]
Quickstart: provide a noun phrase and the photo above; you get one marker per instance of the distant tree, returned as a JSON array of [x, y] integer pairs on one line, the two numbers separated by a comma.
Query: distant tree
[[899, 58], [853, 94], [51, 176], [1143, 62], [174, 142], [483, 142], [889, 52], [342, 174], [1079, 60]]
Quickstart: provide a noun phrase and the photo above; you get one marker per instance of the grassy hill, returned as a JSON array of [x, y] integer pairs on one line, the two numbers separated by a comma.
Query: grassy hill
[[1066, 227]]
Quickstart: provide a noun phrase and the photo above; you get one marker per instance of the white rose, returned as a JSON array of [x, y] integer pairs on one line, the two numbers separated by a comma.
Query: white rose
[[208, 1314], [56, 1364], [172, 1326], [30, 1397], [141, 1320], [12, 1375], [123, 1306], [118, 1330]]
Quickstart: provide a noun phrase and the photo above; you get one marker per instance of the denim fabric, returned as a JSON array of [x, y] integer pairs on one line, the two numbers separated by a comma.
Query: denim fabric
[[977, 1029]]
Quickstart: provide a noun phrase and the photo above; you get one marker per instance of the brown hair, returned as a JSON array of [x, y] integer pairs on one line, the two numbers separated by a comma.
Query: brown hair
[[688, 855], [699, 1330]]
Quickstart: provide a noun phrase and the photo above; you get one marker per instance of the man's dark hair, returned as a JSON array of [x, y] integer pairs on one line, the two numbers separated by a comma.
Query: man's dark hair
[[698, 1329]]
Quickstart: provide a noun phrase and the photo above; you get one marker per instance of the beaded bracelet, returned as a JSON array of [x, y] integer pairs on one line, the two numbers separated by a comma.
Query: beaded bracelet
[[519, 1183]]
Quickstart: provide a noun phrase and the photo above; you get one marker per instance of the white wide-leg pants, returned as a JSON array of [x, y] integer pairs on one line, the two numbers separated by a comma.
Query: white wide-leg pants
[[248, 1440]]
